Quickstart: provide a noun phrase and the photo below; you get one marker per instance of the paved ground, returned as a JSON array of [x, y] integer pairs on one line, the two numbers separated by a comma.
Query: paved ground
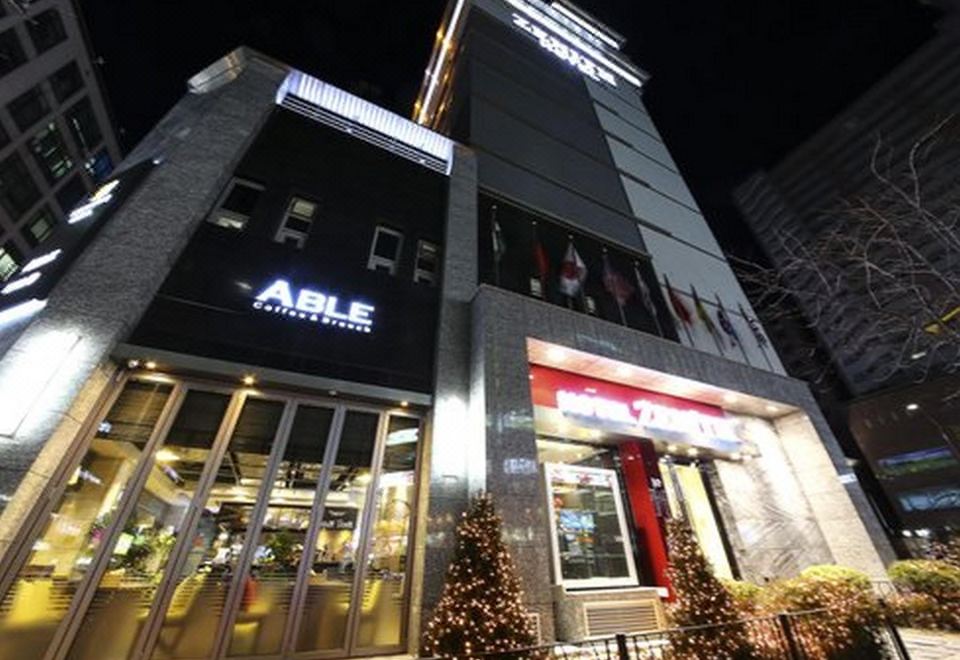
[[931, 645]]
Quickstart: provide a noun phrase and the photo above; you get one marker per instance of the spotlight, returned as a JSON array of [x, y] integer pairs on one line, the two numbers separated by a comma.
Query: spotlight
[[133, 364], [150, 364], [913, 407], [249, 380]]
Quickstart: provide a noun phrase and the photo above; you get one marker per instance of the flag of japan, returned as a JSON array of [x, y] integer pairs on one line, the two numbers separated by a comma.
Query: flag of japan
[[573, 272]]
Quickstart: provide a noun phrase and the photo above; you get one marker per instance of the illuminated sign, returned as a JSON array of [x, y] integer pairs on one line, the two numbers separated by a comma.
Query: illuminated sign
[[315, 306], [616, 408], [567, 53]]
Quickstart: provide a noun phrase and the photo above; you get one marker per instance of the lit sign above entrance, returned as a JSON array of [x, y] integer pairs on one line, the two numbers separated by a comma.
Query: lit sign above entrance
[[632, 411], [315, 306], [568, 54]]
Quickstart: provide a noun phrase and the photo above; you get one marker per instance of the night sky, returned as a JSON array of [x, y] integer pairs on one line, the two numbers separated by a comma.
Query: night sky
[[735, 83]]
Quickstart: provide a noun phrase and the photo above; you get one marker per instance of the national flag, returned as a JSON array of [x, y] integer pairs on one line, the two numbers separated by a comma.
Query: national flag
[[754, 328], [499, 246], [616, 284], [705, 318], [725, 323], [540, 260], [646, 298], [573, 272], [679, 307]]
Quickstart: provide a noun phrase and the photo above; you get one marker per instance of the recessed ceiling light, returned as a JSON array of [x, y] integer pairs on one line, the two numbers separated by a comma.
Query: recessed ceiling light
[[167, 456], [623, 371], [672, 448], [332, 392], [693, 451], [150, 364], [404, 404], [248, 380], [772, 408], [913, 406], [730, 397], [133, 364], [557, 354], [736, 456]]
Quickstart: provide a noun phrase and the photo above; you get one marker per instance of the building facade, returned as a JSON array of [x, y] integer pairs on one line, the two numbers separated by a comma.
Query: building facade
[[867, 390], [295, 333], [56, 139]]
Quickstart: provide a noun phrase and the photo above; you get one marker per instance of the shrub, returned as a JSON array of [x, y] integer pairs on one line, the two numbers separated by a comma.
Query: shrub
[[851, 629], [746, 596], [929, 593]]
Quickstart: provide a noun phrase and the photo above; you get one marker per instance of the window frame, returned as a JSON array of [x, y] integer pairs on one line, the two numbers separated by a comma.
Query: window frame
[[421, 275], [285, 233], [236, 216], [51, 19], [375, 261], [35, 92]]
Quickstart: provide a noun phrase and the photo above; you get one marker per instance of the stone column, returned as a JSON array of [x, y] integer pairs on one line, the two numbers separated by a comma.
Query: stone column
[[109, 287]]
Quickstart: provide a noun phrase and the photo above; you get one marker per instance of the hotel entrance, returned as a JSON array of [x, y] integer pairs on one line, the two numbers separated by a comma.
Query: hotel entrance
[[198, 521], [617, 463]]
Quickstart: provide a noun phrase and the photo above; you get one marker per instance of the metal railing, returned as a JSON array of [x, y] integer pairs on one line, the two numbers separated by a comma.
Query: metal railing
[[809, 635]]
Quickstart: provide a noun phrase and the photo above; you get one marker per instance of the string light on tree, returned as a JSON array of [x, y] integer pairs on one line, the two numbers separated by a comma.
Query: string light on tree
[[480, 609]]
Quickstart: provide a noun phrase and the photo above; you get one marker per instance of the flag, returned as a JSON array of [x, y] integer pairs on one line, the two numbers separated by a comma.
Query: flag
[[573, 272], [725, 323], [754, 328], [616, 284], [499, 247], [540, 260], [679, 307], [646, 298], [705, 318]]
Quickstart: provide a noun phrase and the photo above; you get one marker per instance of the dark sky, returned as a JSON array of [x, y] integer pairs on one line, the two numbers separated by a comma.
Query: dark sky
[[735, 83]]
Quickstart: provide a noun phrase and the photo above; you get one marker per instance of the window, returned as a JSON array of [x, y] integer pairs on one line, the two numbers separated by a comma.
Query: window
[[71, 193], [10, 258], [83, 125], [28, 108], [66, 81], [46, 30], [39, 227], [11, 52], [51, 153], [428, 258], [237, 205], [18, 192], [99, 166], [296, 224], [385, 250], [4, 138]]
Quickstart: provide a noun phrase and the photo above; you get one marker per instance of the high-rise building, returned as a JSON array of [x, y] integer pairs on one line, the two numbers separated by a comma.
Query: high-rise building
[[906, 431], [56, 139], [253, 388]]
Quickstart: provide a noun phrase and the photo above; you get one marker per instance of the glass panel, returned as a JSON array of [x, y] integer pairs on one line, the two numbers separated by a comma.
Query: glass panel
[[590, 530], [45, 586], [330, 582], [18, 192], [126, 591], [382, 613], [66, 81], [46, 30], [685, 481], [267, 591], [83, 124], [50, 152], [198, 602], [28, 108]]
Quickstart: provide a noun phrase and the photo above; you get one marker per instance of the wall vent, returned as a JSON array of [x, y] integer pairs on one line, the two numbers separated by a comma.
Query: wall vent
[[605, 618]]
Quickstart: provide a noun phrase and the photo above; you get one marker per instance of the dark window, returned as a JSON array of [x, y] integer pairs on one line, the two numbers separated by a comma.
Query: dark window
[[18, 192], [11, 52], [46, 30], [10, 258], [66, 81], [237, 205], [71, 193], [83, 125], [28, 108], [4, 138], [100, 166], [296, 224], [425, 268], [39, 227], [385, 250], [51, 154]]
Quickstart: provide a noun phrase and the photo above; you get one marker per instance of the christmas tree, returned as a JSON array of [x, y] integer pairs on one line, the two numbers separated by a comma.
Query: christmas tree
[[480, 610], [701, 600]]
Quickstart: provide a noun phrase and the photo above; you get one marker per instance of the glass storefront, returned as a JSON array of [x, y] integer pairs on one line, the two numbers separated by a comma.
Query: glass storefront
[[202, 521]]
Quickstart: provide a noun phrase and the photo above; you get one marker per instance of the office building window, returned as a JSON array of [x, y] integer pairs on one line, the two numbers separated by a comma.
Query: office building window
[[46, 30], [18, 192], [428, 260], [10, 258], [66, 81], [28, 108], [83, 125], [4, 138], [39, 227], [99, 166], [11, 52], [237, 205], [296, 224], [385, 250], [51, 154], [71, 193]]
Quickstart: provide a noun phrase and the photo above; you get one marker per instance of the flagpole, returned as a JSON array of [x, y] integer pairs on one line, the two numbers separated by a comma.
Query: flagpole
[[756, 338], [686, 329], [496, 244], [616, 298], [737, 339], [647, 299]]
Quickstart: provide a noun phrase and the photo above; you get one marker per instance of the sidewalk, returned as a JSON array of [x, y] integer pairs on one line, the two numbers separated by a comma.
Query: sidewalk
[[931, 644]]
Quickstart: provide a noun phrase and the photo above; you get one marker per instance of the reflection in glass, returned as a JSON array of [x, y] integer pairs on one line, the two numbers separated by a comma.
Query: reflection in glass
[[268, 588], [194, 613], [330, 582], [382, 609], [126, 591], [687, 497], [42, 592]]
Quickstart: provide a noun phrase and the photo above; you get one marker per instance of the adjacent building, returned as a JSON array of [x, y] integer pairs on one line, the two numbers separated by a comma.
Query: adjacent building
[[255, 386], [56, 139], [904, 430]]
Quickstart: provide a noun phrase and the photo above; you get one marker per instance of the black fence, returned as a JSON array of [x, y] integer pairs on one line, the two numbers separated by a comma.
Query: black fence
[[810, 635]]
